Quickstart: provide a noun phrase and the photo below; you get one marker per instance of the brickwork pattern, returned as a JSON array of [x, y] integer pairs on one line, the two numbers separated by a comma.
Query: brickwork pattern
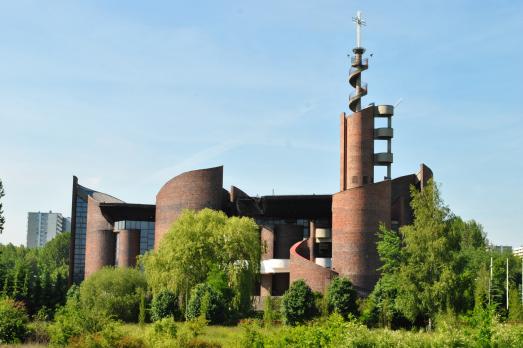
[[195, 190], [100, 241], [356, 215], [128, 247], [300, 267]]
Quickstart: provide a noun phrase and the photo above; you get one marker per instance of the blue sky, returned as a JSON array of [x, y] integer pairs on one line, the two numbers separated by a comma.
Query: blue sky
[[127, 94]]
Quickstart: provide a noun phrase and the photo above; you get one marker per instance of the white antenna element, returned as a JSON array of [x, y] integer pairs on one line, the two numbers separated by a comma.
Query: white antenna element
[[359, 22], [398, 102]]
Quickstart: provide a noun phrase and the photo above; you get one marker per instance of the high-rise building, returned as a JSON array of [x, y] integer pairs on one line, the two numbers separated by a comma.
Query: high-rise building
[[42, 227], [518, 251]]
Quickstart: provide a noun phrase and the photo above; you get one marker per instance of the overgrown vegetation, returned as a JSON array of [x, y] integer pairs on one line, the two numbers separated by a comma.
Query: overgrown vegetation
[[435, 290], [200, 244], [36, 277]]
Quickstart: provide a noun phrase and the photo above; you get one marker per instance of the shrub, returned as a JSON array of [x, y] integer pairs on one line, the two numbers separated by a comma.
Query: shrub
[[164, 304], [115, 291], [298, 303], [269, 312], [13, 321], [37, 332], [205, 301], [341, 297], [73, 321]]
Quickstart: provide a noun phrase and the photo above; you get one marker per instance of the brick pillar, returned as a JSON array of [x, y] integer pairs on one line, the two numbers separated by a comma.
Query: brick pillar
[[267, 239], [128, 247], [100, 250]]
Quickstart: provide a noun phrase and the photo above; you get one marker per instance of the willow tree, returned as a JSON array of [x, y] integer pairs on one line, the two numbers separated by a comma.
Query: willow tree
[[202, 242]]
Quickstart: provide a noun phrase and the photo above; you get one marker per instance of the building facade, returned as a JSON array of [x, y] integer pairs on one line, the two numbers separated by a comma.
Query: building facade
[[309, 237], [42, 227], [518, 251]]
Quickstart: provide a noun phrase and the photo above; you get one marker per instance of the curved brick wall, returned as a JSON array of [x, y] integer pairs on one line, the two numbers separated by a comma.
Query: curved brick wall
[[356, 214], [357, 148], [285, 237], [300, 267], [128, 247], [100, 241], [195, 190]]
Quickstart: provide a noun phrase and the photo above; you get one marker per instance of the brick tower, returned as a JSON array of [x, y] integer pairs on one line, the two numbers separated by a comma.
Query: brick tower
[[362, 204]]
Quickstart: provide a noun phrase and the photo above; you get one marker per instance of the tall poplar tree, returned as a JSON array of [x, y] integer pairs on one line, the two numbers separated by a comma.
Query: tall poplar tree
[[2, 219]]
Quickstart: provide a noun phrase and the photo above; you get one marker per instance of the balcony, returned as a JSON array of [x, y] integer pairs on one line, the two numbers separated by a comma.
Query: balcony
[[383, 159], [323, 233], [383, 111], [383, 133]]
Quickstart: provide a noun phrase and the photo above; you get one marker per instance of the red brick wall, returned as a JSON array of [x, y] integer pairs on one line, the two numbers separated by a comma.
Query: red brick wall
[[100, 241], [316, 276], [195, 190], [128, 247], [357, 148], [356, 214], [285, 237], [267, 240]]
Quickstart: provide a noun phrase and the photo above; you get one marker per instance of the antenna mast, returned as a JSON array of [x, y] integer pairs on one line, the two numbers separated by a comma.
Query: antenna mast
[[358, 64]]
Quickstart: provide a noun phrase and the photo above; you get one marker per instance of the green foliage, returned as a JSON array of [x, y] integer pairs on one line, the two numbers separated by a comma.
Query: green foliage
[[165, 327], [114, 291], [206, 302], [37, 277], [164, 304], [429, 267], [13, 321], [341, 297], [270, 314], [199, 242], [74, 320], [515, 306], [2, 218], [297, 304]]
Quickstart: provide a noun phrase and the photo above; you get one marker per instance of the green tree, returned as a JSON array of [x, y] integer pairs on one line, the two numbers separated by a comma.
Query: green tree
[[341, 297], [199, 242], [430, 266], [2, 218], [297, 304], [164, 304], [114, 291], [13, 321]]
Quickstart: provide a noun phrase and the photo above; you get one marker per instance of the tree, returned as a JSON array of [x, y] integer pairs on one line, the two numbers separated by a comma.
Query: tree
[[341, 297], [115, 292], [199, 242], [164, 304], [430, 266], [2, 219], [13, 321], [297, 303]]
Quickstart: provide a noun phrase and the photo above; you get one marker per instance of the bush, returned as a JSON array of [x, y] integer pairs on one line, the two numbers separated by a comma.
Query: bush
[[114, 291], [38, 332], [13, 321], [164, 304], [73, 321], [298, 303], [205, 301], [341, 297]]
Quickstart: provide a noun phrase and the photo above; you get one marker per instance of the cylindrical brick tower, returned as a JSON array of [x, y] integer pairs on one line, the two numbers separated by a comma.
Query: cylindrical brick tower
[[195, 190], [128, 247], [100, 241], [361, 205]]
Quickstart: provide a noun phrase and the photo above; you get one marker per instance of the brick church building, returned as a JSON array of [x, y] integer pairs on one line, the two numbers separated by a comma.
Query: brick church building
[[310, 237]]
